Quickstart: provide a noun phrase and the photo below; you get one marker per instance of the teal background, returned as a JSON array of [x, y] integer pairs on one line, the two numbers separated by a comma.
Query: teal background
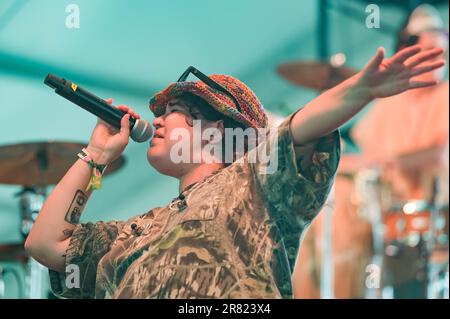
[[129, 50]]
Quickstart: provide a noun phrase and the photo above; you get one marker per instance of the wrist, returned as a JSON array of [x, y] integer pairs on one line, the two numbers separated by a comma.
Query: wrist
[[97, 168], [361, 91], [97, 155]]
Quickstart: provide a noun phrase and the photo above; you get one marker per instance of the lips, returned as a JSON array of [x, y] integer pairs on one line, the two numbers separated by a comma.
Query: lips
[[158, 135]]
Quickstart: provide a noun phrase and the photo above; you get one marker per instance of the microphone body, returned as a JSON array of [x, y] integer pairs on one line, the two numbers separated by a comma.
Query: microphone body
[[140, 130]]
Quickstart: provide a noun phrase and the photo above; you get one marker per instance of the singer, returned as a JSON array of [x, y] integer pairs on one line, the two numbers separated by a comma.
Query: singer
[[234, 229]]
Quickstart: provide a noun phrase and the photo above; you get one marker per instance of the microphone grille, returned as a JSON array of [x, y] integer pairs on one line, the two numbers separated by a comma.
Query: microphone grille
[[141, 131]]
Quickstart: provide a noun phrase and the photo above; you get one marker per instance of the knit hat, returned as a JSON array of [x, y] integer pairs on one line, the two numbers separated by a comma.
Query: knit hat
[[252, 111]]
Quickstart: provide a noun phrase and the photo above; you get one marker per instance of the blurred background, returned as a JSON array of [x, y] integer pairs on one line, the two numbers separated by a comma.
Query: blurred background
[[128, 51]]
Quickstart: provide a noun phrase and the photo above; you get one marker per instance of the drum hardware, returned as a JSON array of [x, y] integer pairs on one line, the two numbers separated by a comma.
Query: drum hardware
[[327, 267], [368, 185], [17, 277]]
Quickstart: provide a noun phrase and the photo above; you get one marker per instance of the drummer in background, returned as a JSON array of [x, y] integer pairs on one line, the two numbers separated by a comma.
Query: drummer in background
[[410, 123], [405, 123]]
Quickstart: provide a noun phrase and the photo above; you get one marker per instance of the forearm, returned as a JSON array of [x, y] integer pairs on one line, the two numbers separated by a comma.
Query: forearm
[[329, 111], [49, 237]]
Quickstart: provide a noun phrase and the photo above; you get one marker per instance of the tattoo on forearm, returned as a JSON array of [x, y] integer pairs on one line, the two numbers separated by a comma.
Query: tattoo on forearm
[[76, 208], [67, 232]]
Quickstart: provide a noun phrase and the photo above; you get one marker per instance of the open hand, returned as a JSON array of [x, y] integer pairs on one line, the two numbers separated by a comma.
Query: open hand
[[386, 77]]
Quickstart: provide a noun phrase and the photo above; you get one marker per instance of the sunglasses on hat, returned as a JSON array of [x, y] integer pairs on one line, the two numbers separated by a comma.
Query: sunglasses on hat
[[208, 81]]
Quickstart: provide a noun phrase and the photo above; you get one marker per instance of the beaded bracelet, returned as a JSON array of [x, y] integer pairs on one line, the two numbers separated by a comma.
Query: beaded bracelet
[[97, 170]]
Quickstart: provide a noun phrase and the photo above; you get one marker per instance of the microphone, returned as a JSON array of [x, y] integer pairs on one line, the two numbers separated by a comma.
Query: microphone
[[140, 130]]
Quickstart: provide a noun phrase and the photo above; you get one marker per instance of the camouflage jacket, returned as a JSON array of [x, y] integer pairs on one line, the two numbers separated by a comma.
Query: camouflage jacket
[[235, 235]]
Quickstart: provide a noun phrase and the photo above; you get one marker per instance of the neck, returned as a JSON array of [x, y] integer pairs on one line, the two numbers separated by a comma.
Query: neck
[[197, 174]]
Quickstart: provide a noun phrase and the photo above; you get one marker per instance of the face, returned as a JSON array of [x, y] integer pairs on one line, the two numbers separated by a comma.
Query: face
[[177, 118], [430, 40]]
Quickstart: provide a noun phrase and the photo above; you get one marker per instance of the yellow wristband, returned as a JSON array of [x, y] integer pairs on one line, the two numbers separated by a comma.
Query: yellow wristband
[[97, 170]]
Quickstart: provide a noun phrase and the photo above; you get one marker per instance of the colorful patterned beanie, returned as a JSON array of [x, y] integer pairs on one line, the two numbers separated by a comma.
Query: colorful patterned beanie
[[252, 114]]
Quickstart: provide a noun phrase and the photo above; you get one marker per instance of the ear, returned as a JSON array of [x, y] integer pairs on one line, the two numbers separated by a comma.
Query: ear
[[219, 125]]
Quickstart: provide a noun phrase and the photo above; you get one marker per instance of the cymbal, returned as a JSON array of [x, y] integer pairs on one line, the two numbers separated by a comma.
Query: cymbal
[[13, 252], [314, 74], [41, 163]]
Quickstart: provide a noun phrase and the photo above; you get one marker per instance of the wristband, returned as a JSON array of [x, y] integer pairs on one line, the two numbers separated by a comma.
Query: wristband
[[97, 170]]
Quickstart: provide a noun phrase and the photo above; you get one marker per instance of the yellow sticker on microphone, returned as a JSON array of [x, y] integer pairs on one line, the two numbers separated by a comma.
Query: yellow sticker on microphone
[[73, 86]]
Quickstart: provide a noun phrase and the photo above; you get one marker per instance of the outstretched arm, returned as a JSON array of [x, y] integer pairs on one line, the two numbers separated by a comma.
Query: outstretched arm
[[380, 78]]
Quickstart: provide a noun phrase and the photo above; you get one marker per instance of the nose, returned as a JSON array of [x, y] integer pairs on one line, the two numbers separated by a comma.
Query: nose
[[158, 122]]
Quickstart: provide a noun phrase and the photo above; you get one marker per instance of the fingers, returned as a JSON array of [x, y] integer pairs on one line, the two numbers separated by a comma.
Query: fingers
[[402, 55], [427, 68], [376, 60], [424, 56], [124, 108], [128, 110], [125, 126], [421, 84]]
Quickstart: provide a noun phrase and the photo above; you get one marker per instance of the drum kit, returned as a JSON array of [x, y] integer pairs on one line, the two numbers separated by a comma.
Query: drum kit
[[409, 238], [33, 167]]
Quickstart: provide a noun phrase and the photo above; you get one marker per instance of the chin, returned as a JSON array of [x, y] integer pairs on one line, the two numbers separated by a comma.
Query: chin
[[155, 157], [161, 161], [152, 153]]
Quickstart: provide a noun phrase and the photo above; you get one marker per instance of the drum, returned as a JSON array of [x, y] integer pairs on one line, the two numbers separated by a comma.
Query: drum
[[406, 222], [416, 248]]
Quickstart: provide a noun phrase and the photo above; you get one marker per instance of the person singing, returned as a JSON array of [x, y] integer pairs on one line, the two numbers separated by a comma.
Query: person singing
[[234, 229]]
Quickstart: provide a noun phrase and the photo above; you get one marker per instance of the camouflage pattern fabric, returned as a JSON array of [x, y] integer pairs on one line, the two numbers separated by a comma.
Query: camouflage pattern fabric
[[237, 236]]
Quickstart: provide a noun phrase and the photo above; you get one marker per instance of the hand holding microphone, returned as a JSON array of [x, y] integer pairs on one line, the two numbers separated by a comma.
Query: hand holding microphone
[[115, 125], [107, 142]]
